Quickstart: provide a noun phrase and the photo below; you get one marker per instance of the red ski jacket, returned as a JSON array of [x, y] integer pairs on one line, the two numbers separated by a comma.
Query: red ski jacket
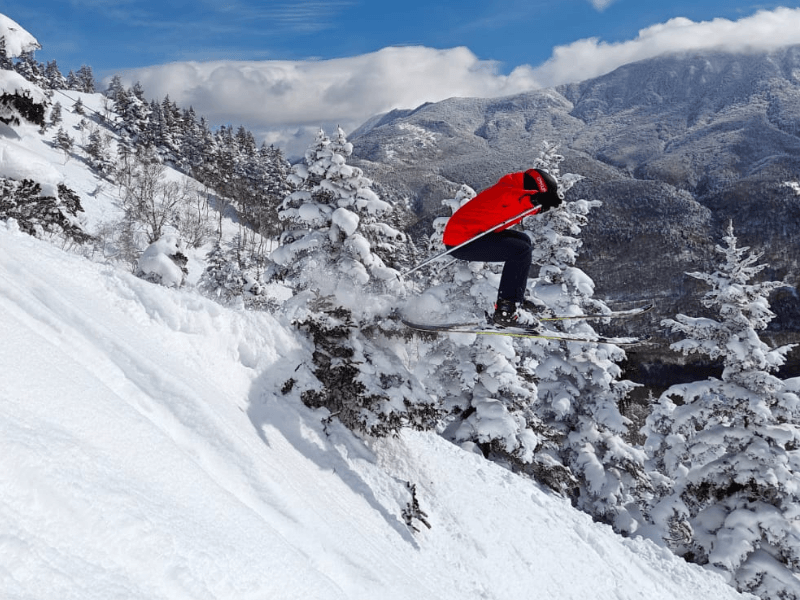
[[503, 201]]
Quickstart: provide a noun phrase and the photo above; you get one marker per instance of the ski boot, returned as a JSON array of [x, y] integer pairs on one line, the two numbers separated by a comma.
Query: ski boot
[[506, 314]]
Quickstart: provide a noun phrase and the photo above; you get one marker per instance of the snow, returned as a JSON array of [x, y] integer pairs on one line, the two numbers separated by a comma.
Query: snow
[[155, 260], [146, 452], [12, 83], [16, 38], [346, 220], [17, 162]]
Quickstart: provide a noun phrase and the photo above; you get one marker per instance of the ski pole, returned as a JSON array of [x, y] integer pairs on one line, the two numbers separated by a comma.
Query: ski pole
[[522, 215]]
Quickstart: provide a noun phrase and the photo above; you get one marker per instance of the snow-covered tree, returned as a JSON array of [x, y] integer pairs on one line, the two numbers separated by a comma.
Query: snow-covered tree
[[334, 217], [64, 141], [39, 213], [55, 80], [20, 99], [99, 151], [579, 384], [55, 114], [133, 111], [344, 294], [85, 80], [233, 278], [27, 66], [164, 262], [730, 448]]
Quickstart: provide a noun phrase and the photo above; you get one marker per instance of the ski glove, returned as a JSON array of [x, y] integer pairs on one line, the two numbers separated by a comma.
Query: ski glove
[[548, 200]]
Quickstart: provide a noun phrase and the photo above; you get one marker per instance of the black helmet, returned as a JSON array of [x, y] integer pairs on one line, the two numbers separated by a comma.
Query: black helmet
[[546, 186], [541, 181]]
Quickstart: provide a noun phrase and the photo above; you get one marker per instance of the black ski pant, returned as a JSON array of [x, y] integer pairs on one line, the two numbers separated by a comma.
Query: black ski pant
[[513, 248]]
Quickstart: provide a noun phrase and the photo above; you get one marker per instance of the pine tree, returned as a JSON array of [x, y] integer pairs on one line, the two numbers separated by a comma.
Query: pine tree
[[55, 80], [55, 114], [579, 385], [729, 448], [6, 64], [273, 181], [99, 151], [133, 111], [343, 296], [37, 214], [232, 278], [64, 141], [85, 79], [73, 83], [27, 66]]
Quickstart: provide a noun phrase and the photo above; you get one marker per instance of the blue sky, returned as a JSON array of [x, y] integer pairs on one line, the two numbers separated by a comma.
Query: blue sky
[[285, 69], [111, 35]]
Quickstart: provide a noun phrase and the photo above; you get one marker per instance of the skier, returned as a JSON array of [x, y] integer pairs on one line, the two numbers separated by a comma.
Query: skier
[[514, 194]]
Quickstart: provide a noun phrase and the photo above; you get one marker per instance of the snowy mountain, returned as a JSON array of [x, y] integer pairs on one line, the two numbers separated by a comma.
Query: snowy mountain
[[675, 147], [147, 453]]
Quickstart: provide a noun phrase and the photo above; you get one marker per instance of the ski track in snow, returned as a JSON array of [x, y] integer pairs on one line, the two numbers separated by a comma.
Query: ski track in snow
[[145, 452]]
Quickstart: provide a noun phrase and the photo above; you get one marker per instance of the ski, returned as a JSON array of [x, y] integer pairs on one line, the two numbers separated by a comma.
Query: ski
[[616, 314], [544, 317], [482, 329]]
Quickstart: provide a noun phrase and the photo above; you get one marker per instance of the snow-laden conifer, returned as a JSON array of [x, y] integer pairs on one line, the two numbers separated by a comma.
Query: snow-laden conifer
[[164, 262], [233, 277], [729, 446], [344, 293], [579, 384], [20, 98]]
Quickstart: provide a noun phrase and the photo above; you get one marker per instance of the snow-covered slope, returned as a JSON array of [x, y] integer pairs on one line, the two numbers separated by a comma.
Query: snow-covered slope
[[145, 452]]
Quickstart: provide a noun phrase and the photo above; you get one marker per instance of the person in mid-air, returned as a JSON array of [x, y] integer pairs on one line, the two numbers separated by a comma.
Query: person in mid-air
[[514, 194]]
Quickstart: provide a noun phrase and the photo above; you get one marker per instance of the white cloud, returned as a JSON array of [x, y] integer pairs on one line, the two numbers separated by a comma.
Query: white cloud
[[584, 59], [278, 98], [282, 100]]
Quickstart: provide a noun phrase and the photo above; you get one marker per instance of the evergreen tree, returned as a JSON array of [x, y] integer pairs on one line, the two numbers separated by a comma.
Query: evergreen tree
[[729, 448], [272, 179], [115, 88], [55, 114], [38, 215], [64, 141], [133, 111], [233, 278], [27, 66], [55, 80], [343, 294], [579, 385], [99, 151], [73, 82], [6, 64], [85, 79]]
